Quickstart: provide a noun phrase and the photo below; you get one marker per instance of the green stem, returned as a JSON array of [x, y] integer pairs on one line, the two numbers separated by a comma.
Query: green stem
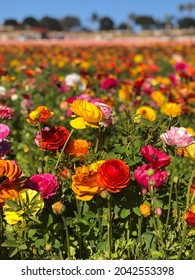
[[62, 151], [41, 141], [188, 190], [109, 225], [184, 233], [99, 217], [193, 253], [140, 237], [169, 204], [80, 239], [67, 237]]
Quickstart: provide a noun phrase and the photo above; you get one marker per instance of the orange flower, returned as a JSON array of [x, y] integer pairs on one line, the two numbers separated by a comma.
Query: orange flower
[[40, 114], [78, 147], [7, 194], [113, 175], [182, 152], [145, 209], [84, 182], [10, 179]]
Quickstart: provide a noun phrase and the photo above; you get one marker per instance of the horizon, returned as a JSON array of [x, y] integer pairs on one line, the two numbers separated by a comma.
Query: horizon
[[84, 9]]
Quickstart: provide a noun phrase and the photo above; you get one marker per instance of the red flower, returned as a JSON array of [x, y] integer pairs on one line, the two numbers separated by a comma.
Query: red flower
[[52, 138], [190, 218], [114, 175], [155, 157], [108, 83]]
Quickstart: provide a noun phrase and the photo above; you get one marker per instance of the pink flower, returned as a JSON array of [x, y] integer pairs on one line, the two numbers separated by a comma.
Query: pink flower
[[156, 157], [4, 131], [46, 184], [108, 83], [148, 174], [177, 136], [6, 113]]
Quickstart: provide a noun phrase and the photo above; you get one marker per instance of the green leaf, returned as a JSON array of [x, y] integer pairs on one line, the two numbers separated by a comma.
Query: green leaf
[[13, 205], [124, 213], [149, 239], [10, 243], [136, 211], [31, 232], [40, 243], [35, 219], [14, 252], [22, 247]]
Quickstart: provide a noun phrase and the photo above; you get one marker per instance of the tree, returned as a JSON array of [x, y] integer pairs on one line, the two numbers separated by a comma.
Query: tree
[[94, 19], [31, 21], [70, 23], [186, 22], [146, 22], [106, 23], [123, 26], [50, 23], [12, 22]]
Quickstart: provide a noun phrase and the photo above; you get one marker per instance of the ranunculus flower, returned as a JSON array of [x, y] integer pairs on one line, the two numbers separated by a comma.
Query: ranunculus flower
[[154, 156], [29, 203], [2, 91], [177, 136], [88, 114], [113, 175], [84, 182], [6, 113], [146, 112], [142, 176], [108, 83], [190, 216], [74, 79], [40, 115], [46, 184], [5, 148], [4, 131], [191, 151], [10, 174], [145, 209], [78, 147], [171, 109], [52, 138]]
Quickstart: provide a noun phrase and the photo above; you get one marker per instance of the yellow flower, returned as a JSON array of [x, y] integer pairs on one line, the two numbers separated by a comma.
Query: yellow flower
[[171, 109], [191, 151], [191, 131], [125, 92], [28, 203], [145, 209], [40, 114], [84, 182], [88, 114], [146, 112], [158, 97], [192, 209]]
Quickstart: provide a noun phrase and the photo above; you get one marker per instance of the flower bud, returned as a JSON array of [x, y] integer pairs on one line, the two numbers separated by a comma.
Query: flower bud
[[66, 173], [145, 209], [58, 208], [104, 194], [150, 172]]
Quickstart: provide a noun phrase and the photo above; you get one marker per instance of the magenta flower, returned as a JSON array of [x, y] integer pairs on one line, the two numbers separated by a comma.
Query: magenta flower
[[108, 83], [178, 137], [47, 184], [4, 131], [6, 113], [155, 157], [148, 174]]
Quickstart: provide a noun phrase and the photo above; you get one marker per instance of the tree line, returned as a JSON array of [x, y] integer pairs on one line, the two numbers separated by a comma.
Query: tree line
[[145, 22]]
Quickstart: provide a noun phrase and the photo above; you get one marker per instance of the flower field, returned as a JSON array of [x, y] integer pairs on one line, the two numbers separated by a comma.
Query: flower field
[[97, 151]]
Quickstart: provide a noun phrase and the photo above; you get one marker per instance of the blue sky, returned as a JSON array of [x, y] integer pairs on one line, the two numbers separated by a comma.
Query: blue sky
[[118, 10]]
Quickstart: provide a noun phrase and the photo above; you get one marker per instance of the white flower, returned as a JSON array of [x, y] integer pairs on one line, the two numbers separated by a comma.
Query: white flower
[[2, 90]]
